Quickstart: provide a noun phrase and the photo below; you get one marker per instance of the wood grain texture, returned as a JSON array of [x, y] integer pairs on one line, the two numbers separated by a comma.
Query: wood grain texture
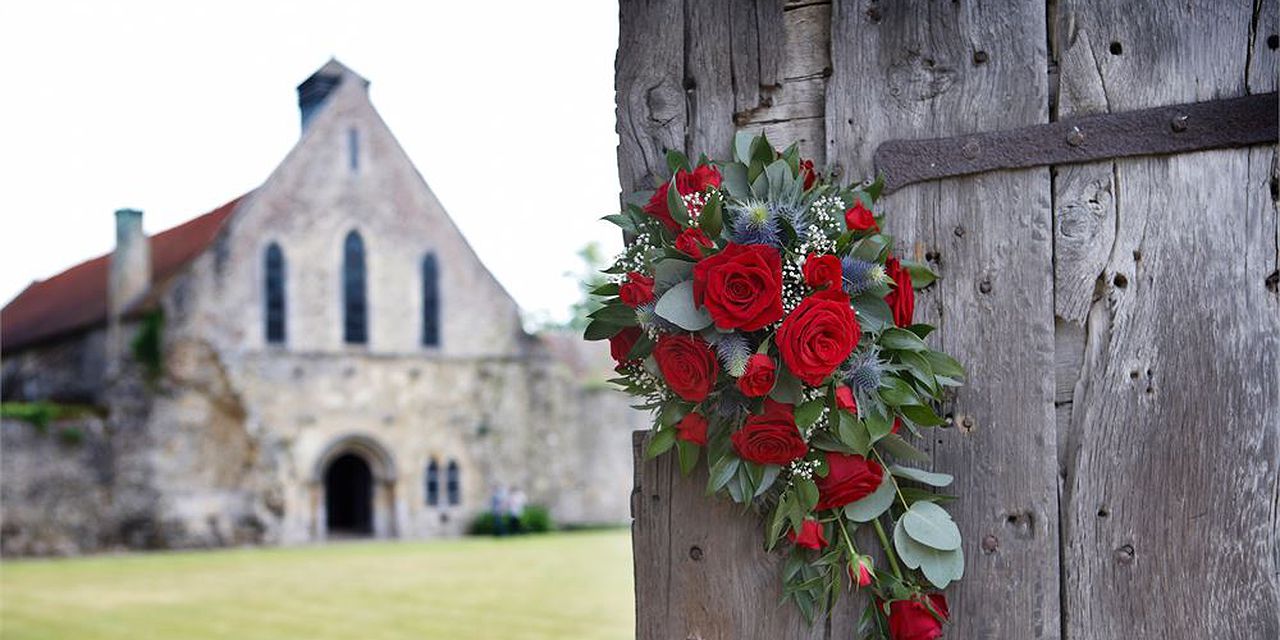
[[648, 79], [1169, 501], [911, 70]]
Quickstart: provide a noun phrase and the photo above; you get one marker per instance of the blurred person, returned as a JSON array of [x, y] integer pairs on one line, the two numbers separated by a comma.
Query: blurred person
[[515, 508]]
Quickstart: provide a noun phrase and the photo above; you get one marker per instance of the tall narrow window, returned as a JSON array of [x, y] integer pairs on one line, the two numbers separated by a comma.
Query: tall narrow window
[[273, 293], [355, 304], [452, 484], [430, 301], [433, 483], [353, 149]]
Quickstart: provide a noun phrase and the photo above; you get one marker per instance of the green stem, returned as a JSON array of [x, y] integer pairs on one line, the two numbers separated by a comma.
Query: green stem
[[845, 534], [888, 549], [896, 488]]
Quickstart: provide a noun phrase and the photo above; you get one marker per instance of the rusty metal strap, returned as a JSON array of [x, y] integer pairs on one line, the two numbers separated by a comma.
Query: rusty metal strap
[[1234, 122]]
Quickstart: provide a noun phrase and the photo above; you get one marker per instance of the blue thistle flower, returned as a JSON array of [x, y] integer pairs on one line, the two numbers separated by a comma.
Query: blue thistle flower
[[864, 370], [858, 275], [730, 403], [754, 223], [734, 349]]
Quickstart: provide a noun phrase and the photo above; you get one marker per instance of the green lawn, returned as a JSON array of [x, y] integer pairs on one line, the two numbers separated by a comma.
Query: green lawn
[[562, 586]]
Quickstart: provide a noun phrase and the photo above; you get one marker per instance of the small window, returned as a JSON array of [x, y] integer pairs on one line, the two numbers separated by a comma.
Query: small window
[[353, 149], [355, 306], [453, 484], [274, 294], [430, 301], [433, 483]]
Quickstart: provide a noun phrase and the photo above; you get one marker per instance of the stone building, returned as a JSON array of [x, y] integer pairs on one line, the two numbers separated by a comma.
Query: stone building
[[322, 356]]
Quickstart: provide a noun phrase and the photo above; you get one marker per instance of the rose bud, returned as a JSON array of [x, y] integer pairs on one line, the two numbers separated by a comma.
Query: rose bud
[[860, 570], [692, 428], [810, 535], [758, 378], [859, 218], [845, 400], [637, 290]]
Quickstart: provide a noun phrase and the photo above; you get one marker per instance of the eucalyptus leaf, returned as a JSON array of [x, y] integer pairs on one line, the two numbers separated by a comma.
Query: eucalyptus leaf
[[939, 567], [871, 506], [873, 313], [734, 180], [677, 307], [670, 272], [742, 143], [931, 525], [930, 478], [787, 389]]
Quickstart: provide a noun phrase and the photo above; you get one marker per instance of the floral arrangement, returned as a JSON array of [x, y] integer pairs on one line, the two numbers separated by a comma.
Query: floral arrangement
[[759, 310]]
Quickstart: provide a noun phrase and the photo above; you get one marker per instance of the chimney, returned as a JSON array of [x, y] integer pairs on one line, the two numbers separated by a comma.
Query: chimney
[[313, 91], [130, 275]]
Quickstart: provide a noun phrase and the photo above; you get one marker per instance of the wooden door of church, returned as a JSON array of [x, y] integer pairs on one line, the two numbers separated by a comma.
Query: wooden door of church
[[1117, 445]]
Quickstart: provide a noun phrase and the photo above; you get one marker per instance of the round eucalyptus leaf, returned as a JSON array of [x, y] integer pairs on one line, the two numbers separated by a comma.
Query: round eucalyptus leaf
[[939, 567], [931, 525], [676, 306], [871, 506]]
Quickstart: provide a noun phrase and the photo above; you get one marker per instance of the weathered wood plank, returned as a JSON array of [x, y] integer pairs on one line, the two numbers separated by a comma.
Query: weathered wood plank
[[924, 70], [648, 79], [1169, 506]]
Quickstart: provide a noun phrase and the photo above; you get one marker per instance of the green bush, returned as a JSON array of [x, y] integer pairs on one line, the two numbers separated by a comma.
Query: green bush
[[534, 519], [40, 414]]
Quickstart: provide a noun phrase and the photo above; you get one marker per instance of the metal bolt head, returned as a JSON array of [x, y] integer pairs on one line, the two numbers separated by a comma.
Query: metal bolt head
[[970, 149], [695, 553], [1179, 124], [1075, 137]]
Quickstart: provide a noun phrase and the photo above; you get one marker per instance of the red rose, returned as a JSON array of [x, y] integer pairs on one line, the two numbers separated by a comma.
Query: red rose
[[771, 438], [692, 428], [850, 477], [818, 336], [897, 422], [622, 342], [758, 378], [859, 218], [741, 287], [912, 620], [686, 183], [688, 365], [860, 571], [823, 272], [845, 399], [691, 242], [902, 300], [810, 536], [810, 176], [637, 290]]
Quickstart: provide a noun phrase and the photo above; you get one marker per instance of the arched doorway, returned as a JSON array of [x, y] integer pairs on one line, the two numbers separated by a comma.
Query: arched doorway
[[348, 497]]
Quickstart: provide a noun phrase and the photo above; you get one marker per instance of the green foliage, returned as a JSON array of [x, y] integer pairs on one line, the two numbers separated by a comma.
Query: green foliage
[[40, 414], [534, 519], [147, 344]]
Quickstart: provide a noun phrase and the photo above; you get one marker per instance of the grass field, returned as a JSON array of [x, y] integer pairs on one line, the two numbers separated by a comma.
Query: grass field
[[562, 586]]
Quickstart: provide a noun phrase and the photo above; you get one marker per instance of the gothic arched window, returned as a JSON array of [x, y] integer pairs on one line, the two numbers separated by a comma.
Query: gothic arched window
[[433, 483], [453, 483], [273, 294], [355, 304], [430, 301]]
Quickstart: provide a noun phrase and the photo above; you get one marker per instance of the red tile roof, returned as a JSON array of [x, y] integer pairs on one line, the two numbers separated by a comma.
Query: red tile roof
[[76, 299]]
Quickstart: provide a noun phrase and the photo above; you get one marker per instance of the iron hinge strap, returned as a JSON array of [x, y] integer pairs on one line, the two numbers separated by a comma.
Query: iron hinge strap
[[1216, 124]]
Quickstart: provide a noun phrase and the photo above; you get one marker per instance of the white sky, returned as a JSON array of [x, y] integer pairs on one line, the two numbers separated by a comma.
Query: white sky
[[177, 107]]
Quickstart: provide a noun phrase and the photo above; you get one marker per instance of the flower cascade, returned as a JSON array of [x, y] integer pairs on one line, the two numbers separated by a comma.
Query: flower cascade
[[760, 312]]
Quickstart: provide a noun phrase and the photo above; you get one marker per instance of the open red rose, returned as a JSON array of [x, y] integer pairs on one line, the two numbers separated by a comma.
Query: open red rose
[[688, 365], [692, 428], [810, 176], [758, 377], [692, 241], [687, 182], [818, 336], [771, 438], [912, 620], [902, 300], [811, 535], [823, 272], [850, 478], [859, 218], [741, 287], [622, 342], [637, 290]]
